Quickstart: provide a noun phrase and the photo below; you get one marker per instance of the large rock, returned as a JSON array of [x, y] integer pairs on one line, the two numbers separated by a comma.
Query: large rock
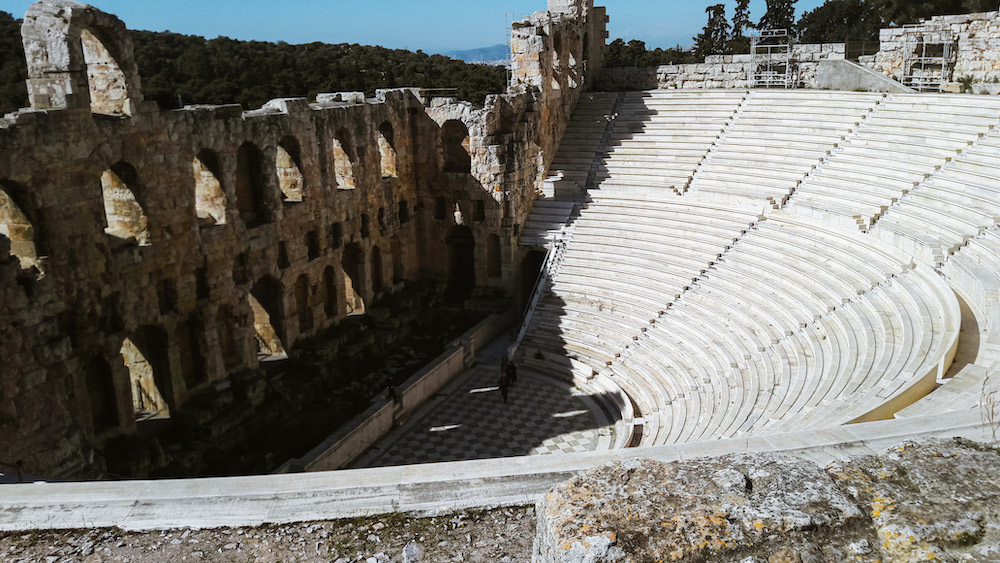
[[918, 502]]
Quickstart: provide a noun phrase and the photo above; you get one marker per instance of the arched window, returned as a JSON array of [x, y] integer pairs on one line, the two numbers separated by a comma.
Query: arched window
[[387, 150], [108, 89], [302, 308], [210, 199], [455, 142], [493, 261], [250, 190], [16, 225], [343, 160], [126, 218], [147, 360], [289, 168]]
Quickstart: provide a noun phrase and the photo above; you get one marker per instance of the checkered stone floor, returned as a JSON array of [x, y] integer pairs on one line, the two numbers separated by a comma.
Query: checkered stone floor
[[471, 421]]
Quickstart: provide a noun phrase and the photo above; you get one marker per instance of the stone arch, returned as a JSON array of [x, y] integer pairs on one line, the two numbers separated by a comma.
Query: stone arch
[[267, 299], [455, 143], [387, 149], [343, 160], [123, 209], [302, 308], [288, 164], [330, 292], [376, 269], [494, 266], [352, 263], [461, 262], [250, 187], [210, 198], [17, 225], [398, 267], [103, 397], [79, 57], [147, 358]]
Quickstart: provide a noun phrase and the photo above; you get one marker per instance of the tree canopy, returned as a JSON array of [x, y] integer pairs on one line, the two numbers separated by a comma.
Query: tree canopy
[[714, 38], [183, 69]]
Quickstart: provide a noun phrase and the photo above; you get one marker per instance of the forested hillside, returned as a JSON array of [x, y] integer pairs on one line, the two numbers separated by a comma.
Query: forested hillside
[[183, 69]]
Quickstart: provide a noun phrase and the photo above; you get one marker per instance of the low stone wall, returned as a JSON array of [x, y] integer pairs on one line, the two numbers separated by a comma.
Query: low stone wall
[[364, 430], [718, 71]]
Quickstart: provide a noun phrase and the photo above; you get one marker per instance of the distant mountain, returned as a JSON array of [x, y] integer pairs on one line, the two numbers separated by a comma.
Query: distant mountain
[[496, 53]]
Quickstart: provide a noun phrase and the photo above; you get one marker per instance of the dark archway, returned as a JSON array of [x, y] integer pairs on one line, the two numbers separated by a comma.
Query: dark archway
[[302, 308], [330, 292], [269, 314], [376, 269], [147, 357], [250, 191], [103, 398], [192, 359], [461, 262]]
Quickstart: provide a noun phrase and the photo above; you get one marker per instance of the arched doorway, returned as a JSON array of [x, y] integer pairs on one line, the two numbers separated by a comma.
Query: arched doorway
[[461, 262], [268, 304], [101, 392], [147, 359], [353, 265]]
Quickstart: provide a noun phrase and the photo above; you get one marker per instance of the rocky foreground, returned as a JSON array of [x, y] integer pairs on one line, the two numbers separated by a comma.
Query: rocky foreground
[[919, 502]]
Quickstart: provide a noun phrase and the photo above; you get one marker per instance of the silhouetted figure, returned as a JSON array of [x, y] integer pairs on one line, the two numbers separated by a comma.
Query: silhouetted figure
[[504, 385], [512, 372]]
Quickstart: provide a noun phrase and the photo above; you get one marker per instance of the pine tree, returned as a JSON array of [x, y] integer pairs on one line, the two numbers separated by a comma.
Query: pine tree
[[780, 15], [741, 19], [713, 38]]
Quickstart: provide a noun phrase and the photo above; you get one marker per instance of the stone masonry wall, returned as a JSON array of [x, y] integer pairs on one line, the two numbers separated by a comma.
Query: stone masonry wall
[[183, 230]]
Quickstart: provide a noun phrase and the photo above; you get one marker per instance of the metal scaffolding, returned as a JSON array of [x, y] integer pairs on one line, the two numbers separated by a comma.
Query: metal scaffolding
[[772, 63], [928, 58]]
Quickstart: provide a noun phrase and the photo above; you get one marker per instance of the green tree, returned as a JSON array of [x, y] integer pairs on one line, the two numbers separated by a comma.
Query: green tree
[[741, 18], [714, 37], [780, 15], [841, 20]]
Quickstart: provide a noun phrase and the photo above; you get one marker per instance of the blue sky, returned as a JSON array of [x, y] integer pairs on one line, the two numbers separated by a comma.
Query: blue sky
[[428, 25]]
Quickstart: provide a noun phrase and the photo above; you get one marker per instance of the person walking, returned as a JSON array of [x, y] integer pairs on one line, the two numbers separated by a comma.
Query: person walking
[[504, 385], [512, 372]]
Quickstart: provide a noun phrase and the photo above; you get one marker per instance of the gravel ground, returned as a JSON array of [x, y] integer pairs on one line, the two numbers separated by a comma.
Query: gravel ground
[[504, 535]]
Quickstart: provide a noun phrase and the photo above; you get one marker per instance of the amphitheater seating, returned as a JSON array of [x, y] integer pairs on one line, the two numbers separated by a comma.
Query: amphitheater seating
[[659, 137], [758, 262], [778, 137]]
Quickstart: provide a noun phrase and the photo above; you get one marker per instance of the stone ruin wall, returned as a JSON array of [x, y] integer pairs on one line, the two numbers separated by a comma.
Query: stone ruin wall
[[718, 71], [978, 45], [168, 228]]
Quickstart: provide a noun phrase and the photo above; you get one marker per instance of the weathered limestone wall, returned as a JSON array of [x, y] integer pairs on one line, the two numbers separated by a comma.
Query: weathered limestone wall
[[179, 232], [718, 71], [975, 36]]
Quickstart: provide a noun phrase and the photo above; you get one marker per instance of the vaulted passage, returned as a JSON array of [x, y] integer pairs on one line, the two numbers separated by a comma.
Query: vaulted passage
[[455, 143], [15, 224], [210, 199], [126, 218], [147, 359], [288, 164], [461, 262], [343, 160], [250, 190]]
